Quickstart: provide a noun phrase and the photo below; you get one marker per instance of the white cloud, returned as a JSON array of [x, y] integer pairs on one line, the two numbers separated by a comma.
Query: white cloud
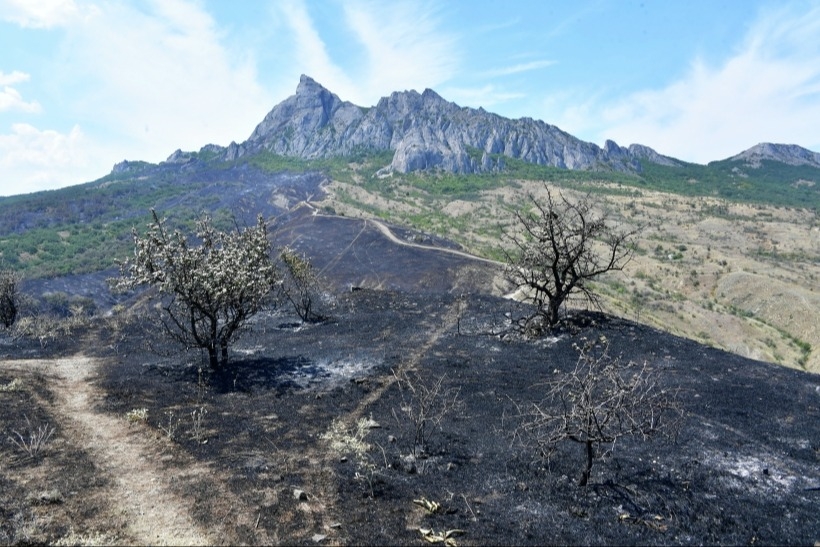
[[10, 99], [161, 78], [15, 77], [767, 91], [518, 68], [310, 52], [404, 44], [39, 13], [486, 96], [28, 145], [141, 79], [393, 46], [33, 159]]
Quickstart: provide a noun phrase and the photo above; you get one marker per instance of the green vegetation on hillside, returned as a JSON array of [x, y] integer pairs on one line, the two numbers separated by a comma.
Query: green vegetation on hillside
[[84, 228], [338, 168], [772, 183]]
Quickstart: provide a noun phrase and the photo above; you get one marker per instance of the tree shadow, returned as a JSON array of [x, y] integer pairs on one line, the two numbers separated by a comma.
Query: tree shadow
[[260, 374]]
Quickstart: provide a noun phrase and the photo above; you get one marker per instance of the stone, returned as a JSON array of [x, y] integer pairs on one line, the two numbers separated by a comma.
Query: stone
[[424, 131]]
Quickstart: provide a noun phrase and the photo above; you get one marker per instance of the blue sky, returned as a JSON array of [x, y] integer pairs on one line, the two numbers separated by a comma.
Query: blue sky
[[87, 83]]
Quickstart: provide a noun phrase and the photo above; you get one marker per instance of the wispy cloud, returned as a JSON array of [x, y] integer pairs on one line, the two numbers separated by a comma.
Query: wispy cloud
[[180, 88], [404, 43], [15, 77], [768, 90], [28, 145], [33, 160], [517, 69], [10, 98], [310, 52], [392, 46], [486, 96], [145, 79], [41, 13]]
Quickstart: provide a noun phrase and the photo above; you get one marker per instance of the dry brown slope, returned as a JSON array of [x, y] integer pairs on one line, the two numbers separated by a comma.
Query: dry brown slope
[[700, 267]]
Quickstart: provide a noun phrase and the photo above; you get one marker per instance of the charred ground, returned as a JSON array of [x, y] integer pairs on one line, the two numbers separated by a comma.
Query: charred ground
[[277, 455], [743, 469]]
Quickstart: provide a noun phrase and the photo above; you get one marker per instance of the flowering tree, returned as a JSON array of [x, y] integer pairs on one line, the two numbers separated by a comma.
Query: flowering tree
[[210, 290]]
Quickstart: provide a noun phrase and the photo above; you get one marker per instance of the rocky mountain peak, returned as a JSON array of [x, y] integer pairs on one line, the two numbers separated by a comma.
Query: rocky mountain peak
[[785, 153], [308, 86], [641, 152], [425, 132]]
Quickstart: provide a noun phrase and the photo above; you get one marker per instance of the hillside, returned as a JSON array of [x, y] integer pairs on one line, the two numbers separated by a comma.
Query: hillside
[[728, 257], [306, 439], [700, 264], [310, 437]]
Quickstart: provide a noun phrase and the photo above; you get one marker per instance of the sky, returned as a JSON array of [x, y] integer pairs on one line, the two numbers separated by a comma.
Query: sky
[[85, 84]]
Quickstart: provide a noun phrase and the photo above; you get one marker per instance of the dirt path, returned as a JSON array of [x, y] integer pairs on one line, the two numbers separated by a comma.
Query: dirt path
[[388, 233], [130, 456]]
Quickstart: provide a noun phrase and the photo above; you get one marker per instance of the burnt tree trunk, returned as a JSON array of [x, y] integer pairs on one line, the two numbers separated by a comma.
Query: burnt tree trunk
[[224, 345], [590, 450], [213, 357]]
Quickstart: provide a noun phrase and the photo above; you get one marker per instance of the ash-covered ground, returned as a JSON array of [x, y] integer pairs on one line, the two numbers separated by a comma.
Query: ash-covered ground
[[308, 427], [743, 469]]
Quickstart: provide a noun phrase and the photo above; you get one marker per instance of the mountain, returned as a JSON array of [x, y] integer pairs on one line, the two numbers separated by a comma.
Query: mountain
[[469, 168], [790, 154], [425, 132]]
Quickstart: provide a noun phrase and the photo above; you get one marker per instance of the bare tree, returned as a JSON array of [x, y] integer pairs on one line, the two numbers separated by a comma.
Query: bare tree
[[10, 298], [208, 291], [598, 402], [301, 285], [424, 405], [563, 245]]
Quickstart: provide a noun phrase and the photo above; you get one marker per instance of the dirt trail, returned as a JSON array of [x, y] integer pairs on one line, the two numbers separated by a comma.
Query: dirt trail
[[388, 233], [322, 484], [130, 456], [449, 319]]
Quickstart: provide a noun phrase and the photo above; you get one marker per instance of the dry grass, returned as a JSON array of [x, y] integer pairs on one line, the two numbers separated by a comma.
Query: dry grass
[[734, 276], [33, 439]]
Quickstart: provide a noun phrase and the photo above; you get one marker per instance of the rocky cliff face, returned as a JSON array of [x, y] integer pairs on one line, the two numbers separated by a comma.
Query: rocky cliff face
[[785, 153], [425, 132]]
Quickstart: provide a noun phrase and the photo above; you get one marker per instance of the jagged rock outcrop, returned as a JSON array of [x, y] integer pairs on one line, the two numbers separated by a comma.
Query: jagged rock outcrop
[[180, 157], [790, 154], [641, 152], [425, 132]]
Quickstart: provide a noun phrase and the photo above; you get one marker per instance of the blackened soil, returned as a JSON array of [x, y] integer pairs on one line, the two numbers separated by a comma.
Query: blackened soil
[[351, 252], [744, 469], [277, 429]]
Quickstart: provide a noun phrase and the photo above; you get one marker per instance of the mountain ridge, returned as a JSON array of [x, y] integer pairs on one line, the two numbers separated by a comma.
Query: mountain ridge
[[426, 132], [790, 154]]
